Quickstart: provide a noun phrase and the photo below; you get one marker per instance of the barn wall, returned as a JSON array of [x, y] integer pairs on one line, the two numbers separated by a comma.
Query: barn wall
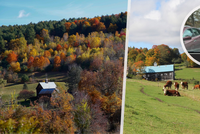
[[38, 89], [159, 76]]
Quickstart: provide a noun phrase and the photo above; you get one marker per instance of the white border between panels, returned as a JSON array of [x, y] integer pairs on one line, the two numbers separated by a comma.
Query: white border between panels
[[181, 35], [125, 67]]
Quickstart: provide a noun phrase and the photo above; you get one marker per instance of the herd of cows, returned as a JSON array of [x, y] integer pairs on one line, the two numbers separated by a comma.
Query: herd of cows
[[176, 85]]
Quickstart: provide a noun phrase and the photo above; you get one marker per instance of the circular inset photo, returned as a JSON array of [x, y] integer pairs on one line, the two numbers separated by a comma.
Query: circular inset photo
[[190, 35]]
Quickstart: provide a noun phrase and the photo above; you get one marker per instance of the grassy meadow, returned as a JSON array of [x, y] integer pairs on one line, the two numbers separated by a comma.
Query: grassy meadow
[[147, 110]]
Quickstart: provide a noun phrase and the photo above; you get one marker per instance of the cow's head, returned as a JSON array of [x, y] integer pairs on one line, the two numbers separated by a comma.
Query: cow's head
[[163, 88], [181, 82], [177, 93], [165, 91], [174, 83]]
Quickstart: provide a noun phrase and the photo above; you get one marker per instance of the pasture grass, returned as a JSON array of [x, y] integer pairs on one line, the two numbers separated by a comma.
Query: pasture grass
[[181, 72], [146, 114]]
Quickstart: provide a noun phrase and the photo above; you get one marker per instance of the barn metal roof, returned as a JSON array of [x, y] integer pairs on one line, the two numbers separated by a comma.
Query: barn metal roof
[[47, 85], [159, 69], [48, 91]]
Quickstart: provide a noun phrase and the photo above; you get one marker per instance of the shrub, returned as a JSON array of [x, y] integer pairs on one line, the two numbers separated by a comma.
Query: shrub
[[139, 77], [25, 94], [3, 82], [130, 75], [24, 78]]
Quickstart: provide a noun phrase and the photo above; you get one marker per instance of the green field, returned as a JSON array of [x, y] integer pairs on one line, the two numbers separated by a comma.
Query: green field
[[147, 110]]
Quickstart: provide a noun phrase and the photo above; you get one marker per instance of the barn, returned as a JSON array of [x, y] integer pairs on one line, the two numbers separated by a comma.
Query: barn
[[161, 72], [46, 88]]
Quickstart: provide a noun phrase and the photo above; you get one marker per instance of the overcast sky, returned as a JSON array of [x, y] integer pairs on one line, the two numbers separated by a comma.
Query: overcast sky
[[155, 22], [25, 11]]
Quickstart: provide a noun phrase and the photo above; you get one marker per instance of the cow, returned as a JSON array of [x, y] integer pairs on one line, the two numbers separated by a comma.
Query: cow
[[184, 85], [171, 92], [176, 85], [168, 84], [196, 87]]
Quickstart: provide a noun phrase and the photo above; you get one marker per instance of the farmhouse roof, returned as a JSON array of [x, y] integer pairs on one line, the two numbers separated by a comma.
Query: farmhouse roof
[[48, 91], [159, 69], [46, 85]]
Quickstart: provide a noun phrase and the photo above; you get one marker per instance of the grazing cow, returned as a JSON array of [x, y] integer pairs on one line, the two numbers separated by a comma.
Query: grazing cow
[[176, 85], [168, 84], [171, 92], [196, 87], [184, 85]]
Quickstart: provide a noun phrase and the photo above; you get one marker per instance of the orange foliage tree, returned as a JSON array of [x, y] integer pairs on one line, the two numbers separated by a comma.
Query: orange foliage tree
[[138, 67], [36, 62], [57, 61], [63, 57], [47, 53], [43, 62], [101, 27], [67, 26], [153, 55], [12, 57], [71, 58]]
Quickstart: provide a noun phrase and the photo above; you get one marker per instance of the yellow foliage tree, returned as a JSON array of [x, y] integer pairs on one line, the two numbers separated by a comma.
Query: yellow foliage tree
[[111, 103], [95, 42], [70, 50], [33, 52], [72, 39], [15, 66]]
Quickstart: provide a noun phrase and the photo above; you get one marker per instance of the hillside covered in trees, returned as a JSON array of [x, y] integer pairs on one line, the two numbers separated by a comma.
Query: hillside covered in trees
[[161, 54], [90, 53]]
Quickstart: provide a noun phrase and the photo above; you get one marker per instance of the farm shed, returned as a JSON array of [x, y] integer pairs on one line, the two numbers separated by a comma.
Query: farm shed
[[161, 72], [46, 88]]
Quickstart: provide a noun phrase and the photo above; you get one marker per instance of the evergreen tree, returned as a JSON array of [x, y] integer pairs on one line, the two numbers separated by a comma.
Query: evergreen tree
[[25, 86], [2, 44], [30, 34]]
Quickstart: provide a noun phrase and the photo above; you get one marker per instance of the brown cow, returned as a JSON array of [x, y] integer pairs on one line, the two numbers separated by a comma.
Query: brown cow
[[168, 84], [171, 92], [184, 85], [176, 85], [196, 87]]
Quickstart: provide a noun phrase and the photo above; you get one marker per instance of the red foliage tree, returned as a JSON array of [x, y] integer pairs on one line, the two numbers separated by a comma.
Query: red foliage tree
[[25, 94], [30, 61], [59, 47]]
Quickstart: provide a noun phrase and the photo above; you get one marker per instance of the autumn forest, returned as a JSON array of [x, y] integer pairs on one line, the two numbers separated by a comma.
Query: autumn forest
[[161, 54], [89, 52]]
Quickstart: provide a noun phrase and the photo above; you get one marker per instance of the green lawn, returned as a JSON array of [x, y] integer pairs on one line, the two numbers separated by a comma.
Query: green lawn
[[186, 73]]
